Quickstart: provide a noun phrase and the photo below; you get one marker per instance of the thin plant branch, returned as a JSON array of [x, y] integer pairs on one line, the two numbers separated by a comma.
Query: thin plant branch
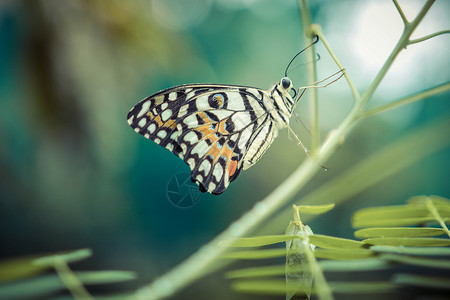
[[311, 76], [407, 100], [427, 37], [73, 284], [432, 208], [402, 42], [316, 29], [400, 11]]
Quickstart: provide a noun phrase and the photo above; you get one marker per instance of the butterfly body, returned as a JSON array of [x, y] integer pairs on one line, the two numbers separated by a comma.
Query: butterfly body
[[218, 130]]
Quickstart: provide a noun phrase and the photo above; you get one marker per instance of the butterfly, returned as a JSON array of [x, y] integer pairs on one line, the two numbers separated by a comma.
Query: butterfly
[[217, 129]]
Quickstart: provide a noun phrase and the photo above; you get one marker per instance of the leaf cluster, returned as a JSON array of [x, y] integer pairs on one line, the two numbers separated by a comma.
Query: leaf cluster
[[403, 242], [31, 277]]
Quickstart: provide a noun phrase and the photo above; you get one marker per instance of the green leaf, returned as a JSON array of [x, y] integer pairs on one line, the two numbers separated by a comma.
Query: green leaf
[[266, 287], [19, 268], [330, 242], [114, 296], [391, 212], [44, 285], [424, 251], [343, 254], [440, 202], [102, 277], [351, 265], [24, 267], [418, 261], [257, 272], [398, 232], [277, 287], [315, 209], [256, 254], [361, 223], [408, 242], [354, 265], [257, 241], [68, 257], [37, 287], [362, 287], [416, 212], [423, 281]]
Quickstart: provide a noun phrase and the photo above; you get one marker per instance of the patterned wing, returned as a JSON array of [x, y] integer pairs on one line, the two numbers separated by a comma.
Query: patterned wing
[[218, 130]]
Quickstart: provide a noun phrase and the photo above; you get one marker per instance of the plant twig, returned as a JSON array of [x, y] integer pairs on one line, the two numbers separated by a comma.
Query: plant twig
[[316, 29], [432, 208], [409, 99], [311, 76], [427, 37], [400, 11], [402, 42], [73, 284]]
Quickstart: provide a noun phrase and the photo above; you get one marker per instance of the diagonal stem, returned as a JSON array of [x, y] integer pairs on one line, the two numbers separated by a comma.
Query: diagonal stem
[[318, 30], [311, 76], [432, 208], [409, 99], [427, 37], [400, 11], [71, 281], [403, 41]]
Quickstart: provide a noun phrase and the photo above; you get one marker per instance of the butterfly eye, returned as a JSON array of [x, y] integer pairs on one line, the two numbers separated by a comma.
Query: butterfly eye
[[286, 83]]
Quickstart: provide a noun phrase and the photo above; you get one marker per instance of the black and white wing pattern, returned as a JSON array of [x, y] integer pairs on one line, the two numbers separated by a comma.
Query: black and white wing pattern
[[218, 130]]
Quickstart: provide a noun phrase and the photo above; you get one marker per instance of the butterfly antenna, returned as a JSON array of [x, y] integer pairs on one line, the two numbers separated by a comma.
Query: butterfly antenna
[[287, 68], [303, 146], [305, 63]]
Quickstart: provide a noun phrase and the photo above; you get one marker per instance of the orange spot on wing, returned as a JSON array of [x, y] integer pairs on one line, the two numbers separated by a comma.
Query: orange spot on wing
[[221, 127], [232, 168], [205, 130], [205, 118], [156, 118], [171, 124], [219, 100], [214, 151], [227, 153]]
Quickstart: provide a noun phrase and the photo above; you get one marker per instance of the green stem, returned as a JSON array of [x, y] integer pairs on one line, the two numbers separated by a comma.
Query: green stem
[[409, 99], [311, 76], [71, 281], [320, 283], [401, 44], [432, 35], [316, 29], [400, 11], [437, 216]]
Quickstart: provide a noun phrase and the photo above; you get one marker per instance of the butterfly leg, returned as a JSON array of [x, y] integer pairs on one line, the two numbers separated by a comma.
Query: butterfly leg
[[303, 146], [314, 84]]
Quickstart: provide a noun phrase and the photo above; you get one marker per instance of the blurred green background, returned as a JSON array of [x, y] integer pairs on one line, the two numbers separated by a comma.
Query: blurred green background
[[73, 174]]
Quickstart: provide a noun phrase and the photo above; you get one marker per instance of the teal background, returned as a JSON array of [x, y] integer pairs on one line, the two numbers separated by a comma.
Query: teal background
[[73, 174]]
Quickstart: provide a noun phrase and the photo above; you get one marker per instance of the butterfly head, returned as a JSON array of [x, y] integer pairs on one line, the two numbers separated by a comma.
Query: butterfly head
[[285, 87], [286, 83]]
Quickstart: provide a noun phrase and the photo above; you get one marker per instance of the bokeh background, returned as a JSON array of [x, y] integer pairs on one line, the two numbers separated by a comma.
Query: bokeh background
[[73, 174]]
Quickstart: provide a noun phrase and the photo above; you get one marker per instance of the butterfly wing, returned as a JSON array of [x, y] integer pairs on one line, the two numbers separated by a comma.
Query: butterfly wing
[[218, 130]]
